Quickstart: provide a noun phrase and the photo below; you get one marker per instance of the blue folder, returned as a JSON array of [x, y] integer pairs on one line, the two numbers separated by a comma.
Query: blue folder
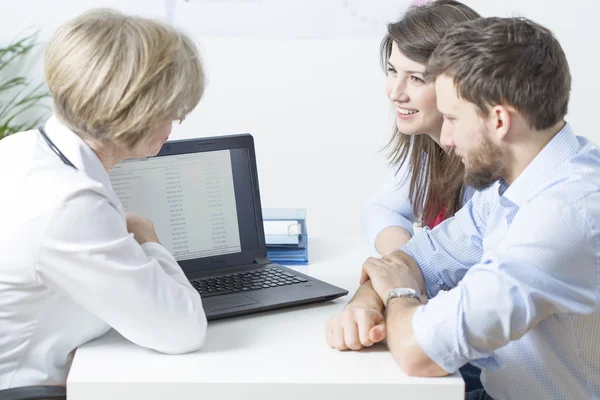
[[281, 250]]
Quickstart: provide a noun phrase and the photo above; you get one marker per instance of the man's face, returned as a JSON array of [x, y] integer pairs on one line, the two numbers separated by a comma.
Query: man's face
[[470, 135]]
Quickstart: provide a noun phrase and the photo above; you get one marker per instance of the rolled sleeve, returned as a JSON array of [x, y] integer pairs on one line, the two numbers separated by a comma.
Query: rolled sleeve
[[431, 325], [438, 327], [544, 266]]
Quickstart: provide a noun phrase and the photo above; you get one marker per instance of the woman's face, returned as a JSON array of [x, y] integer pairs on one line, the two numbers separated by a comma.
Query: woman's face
[[414, 100]]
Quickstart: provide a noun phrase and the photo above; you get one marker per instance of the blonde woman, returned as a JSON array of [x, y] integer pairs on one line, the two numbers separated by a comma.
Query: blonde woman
[[72, 263]]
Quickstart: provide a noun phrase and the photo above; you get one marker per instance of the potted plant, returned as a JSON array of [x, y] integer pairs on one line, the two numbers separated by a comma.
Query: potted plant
[[21, 108]]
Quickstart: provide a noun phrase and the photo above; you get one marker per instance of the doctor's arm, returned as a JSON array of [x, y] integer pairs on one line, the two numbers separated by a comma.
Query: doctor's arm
[[87, 255]]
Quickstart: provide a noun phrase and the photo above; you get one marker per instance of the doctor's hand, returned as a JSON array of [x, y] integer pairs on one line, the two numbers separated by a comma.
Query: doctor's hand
[[142, 228], [355, 328]]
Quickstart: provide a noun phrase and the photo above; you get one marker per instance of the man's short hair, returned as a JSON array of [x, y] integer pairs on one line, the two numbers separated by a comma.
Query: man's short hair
[[509, 61]]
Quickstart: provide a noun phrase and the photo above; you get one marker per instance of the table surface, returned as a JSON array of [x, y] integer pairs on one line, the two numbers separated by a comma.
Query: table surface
[[266, 355]]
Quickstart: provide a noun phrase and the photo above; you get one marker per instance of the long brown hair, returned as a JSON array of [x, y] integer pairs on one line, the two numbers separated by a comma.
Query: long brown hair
[[436, 180]]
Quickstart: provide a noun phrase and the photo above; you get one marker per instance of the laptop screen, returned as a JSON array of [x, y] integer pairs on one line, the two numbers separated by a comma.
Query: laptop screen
[[201, 203]]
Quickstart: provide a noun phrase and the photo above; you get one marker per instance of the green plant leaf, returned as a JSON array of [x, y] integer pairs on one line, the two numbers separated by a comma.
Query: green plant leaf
[[17, 95], [12, 83], [17, 49]]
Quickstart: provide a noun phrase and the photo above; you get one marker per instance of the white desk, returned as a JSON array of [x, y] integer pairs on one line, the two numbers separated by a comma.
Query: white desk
[[274, 355]]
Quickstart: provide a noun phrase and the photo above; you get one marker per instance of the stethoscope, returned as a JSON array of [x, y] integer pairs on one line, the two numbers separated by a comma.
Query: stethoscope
[[54, 148]]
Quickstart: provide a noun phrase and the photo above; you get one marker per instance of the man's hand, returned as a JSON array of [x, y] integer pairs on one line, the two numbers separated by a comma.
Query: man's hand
[[387, 273], [355, 328], [360, 325]]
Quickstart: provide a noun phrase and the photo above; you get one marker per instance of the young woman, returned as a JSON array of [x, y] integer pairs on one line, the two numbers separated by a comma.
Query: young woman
[[426, 183]]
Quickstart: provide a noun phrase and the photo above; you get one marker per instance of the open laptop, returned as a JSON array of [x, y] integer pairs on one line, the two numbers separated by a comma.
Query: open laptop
[[202, 196]]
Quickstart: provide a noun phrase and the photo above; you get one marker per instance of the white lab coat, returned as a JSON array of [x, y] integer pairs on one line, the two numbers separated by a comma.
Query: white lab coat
[[69, 270]]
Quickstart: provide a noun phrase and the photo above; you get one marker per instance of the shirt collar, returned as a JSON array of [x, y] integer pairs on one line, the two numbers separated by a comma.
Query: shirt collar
[[77, 151], [561, 147]]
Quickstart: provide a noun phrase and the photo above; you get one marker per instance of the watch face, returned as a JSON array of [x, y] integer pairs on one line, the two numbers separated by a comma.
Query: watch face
[[405, 292]]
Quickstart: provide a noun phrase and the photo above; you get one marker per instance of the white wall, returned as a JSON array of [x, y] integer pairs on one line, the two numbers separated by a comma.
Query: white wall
[[317, 108]]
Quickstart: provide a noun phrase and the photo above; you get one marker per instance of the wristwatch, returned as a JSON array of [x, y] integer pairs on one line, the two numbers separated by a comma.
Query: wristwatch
[[403, 292]]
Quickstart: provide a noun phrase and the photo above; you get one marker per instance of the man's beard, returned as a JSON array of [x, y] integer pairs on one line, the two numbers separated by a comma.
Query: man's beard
[[483, 166]]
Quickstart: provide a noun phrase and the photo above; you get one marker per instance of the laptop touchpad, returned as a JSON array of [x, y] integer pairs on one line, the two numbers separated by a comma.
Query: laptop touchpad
[[223, 303]]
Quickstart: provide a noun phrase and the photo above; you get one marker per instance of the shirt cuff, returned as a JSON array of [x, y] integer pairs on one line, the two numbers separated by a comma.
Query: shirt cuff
[[437, 329]]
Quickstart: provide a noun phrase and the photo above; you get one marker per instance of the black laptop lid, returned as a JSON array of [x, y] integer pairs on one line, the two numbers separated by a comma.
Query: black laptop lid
[[202, 196]]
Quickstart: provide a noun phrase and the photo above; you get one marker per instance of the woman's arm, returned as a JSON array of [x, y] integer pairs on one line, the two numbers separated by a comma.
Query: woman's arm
[[388, 215], [87, 255]]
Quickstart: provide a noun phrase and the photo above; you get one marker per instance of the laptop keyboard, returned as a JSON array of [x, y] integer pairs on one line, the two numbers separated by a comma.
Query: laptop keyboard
[[245, 281]]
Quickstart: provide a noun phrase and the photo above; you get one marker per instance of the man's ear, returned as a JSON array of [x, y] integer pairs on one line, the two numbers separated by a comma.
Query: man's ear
[[499, 120]]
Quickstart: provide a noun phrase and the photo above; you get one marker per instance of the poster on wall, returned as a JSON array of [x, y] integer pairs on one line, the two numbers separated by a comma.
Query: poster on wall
[[285, 18]]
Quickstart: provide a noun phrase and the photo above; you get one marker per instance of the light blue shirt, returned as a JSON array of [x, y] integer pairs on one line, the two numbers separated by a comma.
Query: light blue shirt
[[521, 264]]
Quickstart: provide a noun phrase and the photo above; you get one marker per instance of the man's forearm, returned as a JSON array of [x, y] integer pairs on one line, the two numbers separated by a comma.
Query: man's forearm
[[366, 297], [414, 268], [402, 342]]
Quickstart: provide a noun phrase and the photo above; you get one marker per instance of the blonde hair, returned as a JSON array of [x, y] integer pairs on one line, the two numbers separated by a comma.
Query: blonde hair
[[114, 77]]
